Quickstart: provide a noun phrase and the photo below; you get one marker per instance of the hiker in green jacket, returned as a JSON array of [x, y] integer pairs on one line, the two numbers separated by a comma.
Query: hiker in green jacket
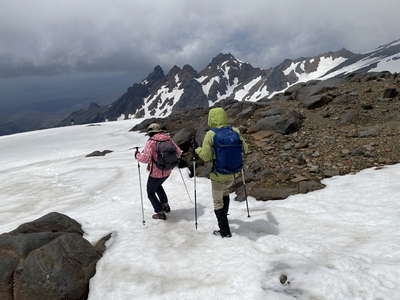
[[220, 182]]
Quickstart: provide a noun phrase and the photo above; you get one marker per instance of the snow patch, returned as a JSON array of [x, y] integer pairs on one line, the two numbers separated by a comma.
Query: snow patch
[[391, 64], [291, 68], [162, 103], [261, 93], [206, 87], [242, 93], [201, 79]]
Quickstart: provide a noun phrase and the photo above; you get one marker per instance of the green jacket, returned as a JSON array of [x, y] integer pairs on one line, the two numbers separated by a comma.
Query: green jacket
[[217, 118]]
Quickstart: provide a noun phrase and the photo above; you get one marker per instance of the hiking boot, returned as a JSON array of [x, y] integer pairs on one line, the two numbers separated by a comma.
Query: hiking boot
[[160, 216], [218, 233], [166, 207]]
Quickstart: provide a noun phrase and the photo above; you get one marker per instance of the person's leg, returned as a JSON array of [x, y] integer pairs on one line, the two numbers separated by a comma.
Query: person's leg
[[152, 187], [226, 199], [218, 190], [163, 196]]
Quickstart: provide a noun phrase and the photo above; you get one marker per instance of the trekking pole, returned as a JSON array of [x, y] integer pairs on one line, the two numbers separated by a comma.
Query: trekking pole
[[141, 192], [245, 193], [194, 179], [184, 183]]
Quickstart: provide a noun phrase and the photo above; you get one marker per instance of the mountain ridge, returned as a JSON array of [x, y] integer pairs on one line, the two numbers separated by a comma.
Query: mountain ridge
[[227, 77]]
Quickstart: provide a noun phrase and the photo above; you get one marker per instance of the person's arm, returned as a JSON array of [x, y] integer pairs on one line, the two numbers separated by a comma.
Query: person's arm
[[145, 155], [205, 152]]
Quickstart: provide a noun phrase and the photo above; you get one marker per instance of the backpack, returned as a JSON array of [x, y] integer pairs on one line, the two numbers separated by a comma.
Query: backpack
[[167, 156], [228, 151]]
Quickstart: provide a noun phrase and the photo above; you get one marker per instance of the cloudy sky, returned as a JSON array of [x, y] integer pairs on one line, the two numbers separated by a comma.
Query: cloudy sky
[[50, 37]]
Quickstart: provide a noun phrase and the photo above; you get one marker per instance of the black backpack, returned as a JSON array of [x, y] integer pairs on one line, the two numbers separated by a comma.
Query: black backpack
[[167, 156]]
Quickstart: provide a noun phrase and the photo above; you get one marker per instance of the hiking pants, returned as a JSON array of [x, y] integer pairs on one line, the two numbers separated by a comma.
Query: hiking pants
[[154, 186], [219, 190]]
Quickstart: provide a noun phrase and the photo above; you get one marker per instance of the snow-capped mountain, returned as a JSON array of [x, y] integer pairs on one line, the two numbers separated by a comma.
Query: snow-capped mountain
[[226, 77], [384, 58]]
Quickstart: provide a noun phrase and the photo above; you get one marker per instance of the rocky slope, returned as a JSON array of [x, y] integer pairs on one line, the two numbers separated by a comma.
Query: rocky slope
[[312, 131], [226, 77]]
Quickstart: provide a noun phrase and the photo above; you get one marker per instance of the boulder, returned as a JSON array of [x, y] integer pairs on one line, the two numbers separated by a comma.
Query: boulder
[[309, 186], [283, 122], [99, 153], [183, 138], [348, 117], [390, 93], [52, 222], [246, 112], [275, 193], [47, 259], [58, 270], [368, 132], [316, 101]]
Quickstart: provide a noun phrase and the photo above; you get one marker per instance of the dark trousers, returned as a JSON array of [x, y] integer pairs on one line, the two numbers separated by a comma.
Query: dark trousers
[[154, 189]]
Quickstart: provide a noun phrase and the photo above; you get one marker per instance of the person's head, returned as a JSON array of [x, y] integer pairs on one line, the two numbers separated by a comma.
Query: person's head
[[153, 129], [217, 117]]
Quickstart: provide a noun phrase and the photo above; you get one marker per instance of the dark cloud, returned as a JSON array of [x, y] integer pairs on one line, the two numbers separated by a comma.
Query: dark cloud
[[54, 36]]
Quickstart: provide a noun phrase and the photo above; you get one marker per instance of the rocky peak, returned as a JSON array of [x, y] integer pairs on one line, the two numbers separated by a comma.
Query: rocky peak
[[156, 75], [188, 69], [174, 70], [223, 58]]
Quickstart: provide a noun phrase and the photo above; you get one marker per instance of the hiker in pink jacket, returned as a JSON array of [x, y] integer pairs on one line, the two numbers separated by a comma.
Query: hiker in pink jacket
[[161, 155]]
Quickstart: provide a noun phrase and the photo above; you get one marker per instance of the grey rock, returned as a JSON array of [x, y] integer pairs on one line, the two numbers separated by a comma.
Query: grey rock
[[288, 146], [301, 145], [357, 152], [284, 123], [35, 258], [368, 132], [266, 172], [99, 153], [348, 117], [183, 136], [309, 186], [52, 222], [316, 101], [246, 112], [301, 159], [42, 275], [315, 154], [390, 93], [277, 193], [331, 173], [367, 106]]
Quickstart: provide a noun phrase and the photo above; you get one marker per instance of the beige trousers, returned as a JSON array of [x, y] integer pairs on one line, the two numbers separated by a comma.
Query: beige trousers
[[219, 190]]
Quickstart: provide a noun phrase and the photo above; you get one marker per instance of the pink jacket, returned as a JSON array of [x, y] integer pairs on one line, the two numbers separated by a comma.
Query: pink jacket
[[149, 155]]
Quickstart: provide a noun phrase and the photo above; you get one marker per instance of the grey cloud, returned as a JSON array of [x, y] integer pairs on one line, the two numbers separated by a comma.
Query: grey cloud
[[50, 37]]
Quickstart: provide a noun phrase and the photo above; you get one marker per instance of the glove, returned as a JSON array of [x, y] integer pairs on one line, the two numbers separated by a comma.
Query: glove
[[194, 143]]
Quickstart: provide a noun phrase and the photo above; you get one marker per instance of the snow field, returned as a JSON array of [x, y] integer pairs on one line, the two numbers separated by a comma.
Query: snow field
[[341, 242]]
